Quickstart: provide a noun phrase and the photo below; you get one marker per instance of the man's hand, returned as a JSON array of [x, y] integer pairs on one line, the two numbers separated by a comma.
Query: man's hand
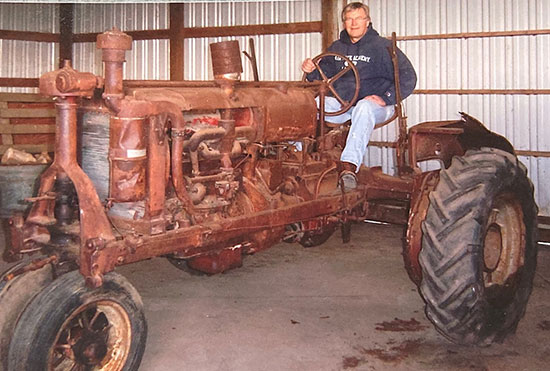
[[376, 99], [308, 66]]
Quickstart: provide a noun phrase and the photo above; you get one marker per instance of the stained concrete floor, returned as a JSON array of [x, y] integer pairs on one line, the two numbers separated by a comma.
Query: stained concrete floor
[[332, 307]]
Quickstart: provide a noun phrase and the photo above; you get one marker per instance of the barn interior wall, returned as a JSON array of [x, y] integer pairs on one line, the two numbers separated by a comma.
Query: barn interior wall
[[510, 62]]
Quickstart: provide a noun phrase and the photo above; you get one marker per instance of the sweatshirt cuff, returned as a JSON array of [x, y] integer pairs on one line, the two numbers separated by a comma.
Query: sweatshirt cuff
[[389, 98]]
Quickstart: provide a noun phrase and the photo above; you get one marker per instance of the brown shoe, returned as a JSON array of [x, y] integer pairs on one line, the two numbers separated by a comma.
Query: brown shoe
[[348, 180]]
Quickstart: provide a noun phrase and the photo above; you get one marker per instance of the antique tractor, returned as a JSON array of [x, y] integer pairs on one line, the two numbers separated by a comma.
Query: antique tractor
[[205, 172]]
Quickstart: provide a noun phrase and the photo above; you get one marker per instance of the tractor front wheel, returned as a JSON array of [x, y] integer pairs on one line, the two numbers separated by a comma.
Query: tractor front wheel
[[69, 326]]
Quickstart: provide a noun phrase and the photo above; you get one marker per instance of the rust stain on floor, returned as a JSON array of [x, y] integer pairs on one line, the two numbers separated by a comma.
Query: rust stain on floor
[[396, 353], [389, 354], [351, 362], [544, 325], [399, 325]]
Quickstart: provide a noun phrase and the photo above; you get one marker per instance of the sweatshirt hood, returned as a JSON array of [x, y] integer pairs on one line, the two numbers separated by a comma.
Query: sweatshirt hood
[[371, 32]]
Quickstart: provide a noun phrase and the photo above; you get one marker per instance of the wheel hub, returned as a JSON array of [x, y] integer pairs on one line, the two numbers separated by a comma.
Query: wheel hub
[[97, 334], [504, 243], [91, 348]]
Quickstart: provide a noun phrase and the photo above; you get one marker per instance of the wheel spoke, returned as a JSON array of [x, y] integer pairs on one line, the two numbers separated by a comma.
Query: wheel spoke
[[77, 367], [59, 359], [321, 72], [94, 318], [84, 321], [339, 74], [105, 332], [335, 94]]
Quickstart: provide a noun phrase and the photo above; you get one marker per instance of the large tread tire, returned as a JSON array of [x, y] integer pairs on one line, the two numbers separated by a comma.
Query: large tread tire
[[15, 295], [65, 310], [462, 299]]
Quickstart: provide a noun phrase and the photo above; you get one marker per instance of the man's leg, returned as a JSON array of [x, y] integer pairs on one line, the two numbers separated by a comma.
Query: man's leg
[[364, 116], [332, 105]]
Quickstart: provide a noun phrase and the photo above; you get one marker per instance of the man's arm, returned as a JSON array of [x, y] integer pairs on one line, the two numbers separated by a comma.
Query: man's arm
[[407, 79], [327, 64]]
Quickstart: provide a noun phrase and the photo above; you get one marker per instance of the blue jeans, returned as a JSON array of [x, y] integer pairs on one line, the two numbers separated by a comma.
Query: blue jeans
[[364, 115]]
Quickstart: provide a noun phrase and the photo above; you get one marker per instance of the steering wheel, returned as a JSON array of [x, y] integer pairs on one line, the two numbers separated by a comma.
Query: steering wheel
[[329, 81]]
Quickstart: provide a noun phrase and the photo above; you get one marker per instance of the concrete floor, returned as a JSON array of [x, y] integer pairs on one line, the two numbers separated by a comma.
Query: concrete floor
[[333, 307]]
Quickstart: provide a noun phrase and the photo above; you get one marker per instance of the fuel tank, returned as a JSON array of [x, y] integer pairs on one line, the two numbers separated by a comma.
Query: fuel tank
[[278, 112]]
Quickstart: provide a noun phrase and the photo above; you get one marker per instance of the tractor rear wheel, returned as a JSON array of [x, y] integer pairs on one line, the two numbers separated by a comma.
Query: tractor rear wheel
[[479, 247]]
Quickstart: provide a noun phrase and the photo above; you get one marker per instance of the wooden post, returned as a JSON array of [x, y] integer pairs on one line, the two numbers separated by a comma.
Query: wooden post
[[330, 18], [66, 18], [176, 32]]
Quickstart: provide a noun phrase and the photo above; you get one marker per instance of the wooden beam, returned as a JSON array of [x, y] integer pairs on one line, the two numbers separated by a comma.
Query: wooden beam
[[470, 35], [66, 18], [26, 129], [177, 35], [260, 29], [483, 91], [29, 36], [329, 14], [18, 82], [198, 32], [7, 138], [26, 112], [544, 230], [520, 152], [91, 37], [23, 97]]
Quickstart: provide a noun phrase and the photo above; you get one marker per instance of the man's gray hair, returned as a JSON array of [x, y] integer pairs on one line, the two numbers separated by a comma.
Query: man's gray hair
[[354, 6]]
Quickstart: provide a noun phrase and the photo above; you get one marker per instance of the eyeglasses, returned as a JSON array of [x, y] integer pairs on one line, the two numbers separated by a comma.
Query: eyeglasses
[[356, 20]]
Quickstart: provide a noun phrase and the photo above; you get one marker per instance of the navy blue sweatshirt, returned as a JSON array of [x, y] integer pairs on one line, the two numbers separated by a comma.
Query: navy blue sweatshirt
[[373, 61]]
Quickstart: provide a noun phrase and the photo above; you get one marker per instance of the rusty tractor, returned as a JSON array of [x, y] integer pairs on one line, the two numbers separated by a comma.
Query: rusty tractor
[[205, 172]]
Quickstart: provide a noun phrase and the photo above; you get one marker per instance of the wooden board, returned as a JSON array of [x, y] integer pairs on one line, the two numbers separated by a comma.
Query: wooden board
[[23, 97], [26, 112]]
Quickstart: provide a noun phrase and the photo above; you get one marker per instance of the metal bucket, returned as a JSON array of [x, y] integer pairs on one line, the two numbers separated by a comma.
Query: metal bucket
[[18, 182]]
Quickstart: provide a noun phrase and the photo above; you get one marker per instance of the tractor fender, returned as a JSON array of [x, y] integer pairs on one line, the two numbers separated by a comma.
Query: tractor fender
[[424, 184], [442, 140]]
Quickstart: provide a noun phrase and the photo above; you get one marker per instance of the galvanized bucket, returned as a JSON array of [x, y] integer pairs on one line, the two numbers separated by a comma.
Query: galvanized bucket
[[18, 182]]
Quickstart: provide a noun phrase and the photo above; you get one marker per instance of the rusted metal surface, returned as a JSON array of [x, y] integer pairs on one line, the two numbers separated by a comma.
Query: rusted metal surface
[[504, 243], [412, 244], [218, 262], [279, 114], [442, 140], [128, 158], [226, 58], [208, 171], [32, 266]]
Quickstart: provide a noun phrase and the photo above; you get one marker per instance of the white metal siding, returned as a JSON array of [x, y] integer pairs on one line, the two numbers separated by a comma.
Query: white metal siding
[[278, 56], [148, 59], [518, 62], [28, 58], [513, 62]]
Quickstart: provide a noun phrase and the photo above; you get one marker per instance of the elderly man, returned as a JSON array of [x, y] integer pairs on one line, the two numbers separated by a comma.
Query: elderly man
[[362, 44]]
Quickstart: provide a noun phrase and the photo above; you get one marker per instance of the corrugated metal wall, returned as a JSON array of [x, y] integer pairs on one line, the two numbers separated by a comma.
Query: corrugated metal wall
[[518, 62], [279, 56], [513, 62], [148, 59], [28, 58]]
